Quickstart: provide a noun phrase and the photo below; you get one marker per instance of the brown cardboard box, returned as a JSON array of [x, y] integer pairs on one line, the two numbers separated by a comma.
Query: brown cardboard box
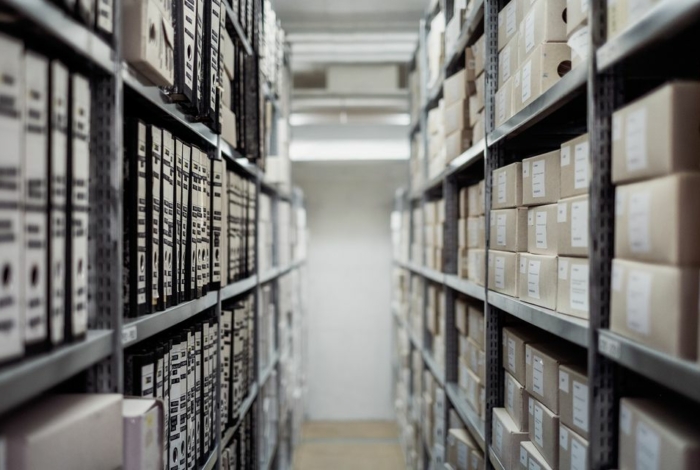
[[503, 272], [456, 117], [572, 222], [575, 167], [573, 450], [463, 346], [504, 102], [572, 287], [477, 326], [655, 220], [508, 21], [656, 305], [538, 280], [475, 204], [509, 229], [479, 54], [430, 213], [476, 360], [516, 401], [459, 446], [455, 88], [463, 374], [541, 179], [576, 15], [530, 458], [65, 432], [514, 343], [475, 266], [461, 316], [542, 230], [544, 432], [431, 319], [655, 436], [463, 203], [573, 398], [542, 363], [506, 438], [457, 143], [657, 134], [507, 62], [617, 17], [542, 69], [470, 69], [473, 234], [507, 186], [545, 22]]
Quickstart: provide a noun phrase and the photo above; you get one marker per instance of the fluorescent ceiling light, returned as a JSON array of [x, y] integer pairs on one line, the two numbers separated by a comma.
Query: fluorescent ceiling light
[[387, 119], [344, 150]]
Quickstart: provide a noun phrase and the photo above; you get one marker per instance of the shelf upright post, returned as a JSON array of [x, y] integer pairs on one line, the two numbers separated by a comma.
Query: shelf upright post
[[105, 306], [604, 94]]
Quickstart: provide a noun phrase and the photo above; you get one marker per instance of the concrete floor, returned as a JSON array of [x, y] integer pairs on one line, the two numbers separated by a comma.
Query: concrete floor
[[369, 445]]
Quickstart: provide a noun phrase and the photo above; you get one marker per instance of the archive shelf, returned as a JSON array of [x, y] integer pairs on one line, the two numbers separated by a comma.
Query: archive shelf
[[267, 371], [434, 368], [466, 413], [495, 461], [470, 28], [32, 376], [239, 287], [241, 413], [465, 286], [406, 327], [684, 375], [236, 25], [210, 464]]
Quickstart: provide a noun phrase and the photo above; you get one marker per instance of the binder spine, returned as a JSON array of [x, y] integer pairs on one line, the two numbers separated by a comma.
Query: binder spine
[[222, 246], [206, 399], [198, 392], [178, 245], [167, 222], [166, 404], [206, 229], [196, 220], [154, 167], [199, 61], [184, 404], [186, 233], [191, 435], [184, 24], [210, 104]]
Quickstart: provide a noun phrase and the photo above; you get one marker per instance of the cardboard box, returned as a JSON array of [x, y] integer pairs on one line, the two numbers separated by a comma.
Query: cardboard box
[[475, 266], [463, 346], [530, 458], [573, 398], [544, 432], [516, 401], [143, 433], [507, 186], [656, 135], [457, 143], [461, 316], [651, 434], [476, 205], [506, 438], [476, 360], [542, 230], [509, 230], [507, 62], [479, 54], [228, 54], [456, 117], [514, 342], [575, 167], [503, 272], [477, 326], [463, 203], [653, 220], [479, 129], [543, 68], [476, 233], [541, 179], [463, 263], [504, 102], [456, 88], [572, 226], [508, 21], [617, 17], [459, 446], [573, 450], [476, 457], [545, 22], [580, 43], [576, 15], [48, 433], [474, 390], [656, 305], [542, 363], [572, 286]]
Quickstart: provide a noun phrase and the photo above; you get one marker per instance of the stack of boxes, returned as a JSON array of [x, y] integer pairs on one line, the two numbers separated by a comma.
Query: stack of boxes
[[462, 452], [654, 292], [434, 426], [545, 421], [476, 59], [578, 36], [416, 311], [471, 233], [435, 318], [436, 48], [437, 156], [471, 372], [434, 217], [417, 238], [533, 53]]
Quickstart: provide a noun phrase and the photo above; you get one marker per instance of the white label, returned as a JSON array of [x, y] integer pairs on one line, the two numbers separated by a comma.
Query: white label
[[561, 212], [625, 420], [502, 192], [617, 274], [638, 296], [526, 88], [533, 279], [563, 269], [501, 230], [564, 381], [526, 169], [617, 127], [529, 32], [541, 230], [579, 224], [619, 203], [647, 451], [147, 382], [523, 266], [581, 166], [635, 140], [516, 79], [581, 405], [523, 457], [578, 288], [533, 465], [566, 156], [505, 64], [584, 6], [501, 109], [538, 179], [579, 456], [563, 438], [500, 272], [638, 228], [129, 334], [538, 426], [499, 437], [511, 355], [510, 395], [538, 375], [511, 23]]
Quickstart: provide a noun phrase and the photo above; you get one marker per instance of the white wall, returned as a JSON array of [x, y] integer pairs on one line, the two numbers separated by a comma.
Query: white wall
[[349, 266]]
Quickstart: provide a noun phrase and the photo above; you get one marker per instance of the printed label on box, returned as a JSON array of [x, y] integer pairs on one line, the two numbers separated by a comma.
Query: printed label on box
[[579, 224], [523, 457], [510, 394], [563, 438], [501, 230], [635, 140], [638, 229], [563, 269], [529, 32], [526, 86], [499, 437], [538, 426], [564, 381], [523, 266], [647, 452], [561, 212], [581, 166], [541, 230], [617, 127], [581, 405], [500, 272], [511, 354], [625, 420], [578, 288], [506, 66], [538, 179], [579, 456], [511, 23], [617, 274], [638, 296], [566, 156], [533, 279], [538, 375], [502, 191]]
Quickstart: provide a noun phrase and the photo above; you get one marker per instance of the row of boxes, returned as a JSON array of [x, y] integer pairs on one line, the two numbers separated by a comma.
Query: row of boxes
[[462, 451], [45, 195], [471, 372], [471, 233]]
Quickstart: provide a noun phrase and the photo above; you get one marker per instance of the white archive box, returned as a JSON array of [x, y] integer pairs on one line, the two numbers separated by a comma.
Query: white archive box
[[11, 218], [143, 433]]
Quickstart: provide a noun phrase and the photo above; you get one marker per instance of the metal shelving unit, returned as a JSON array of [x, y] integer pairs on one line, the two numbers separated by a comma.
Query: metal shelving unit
[[466, 413], [467, 37], [495, 461]]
